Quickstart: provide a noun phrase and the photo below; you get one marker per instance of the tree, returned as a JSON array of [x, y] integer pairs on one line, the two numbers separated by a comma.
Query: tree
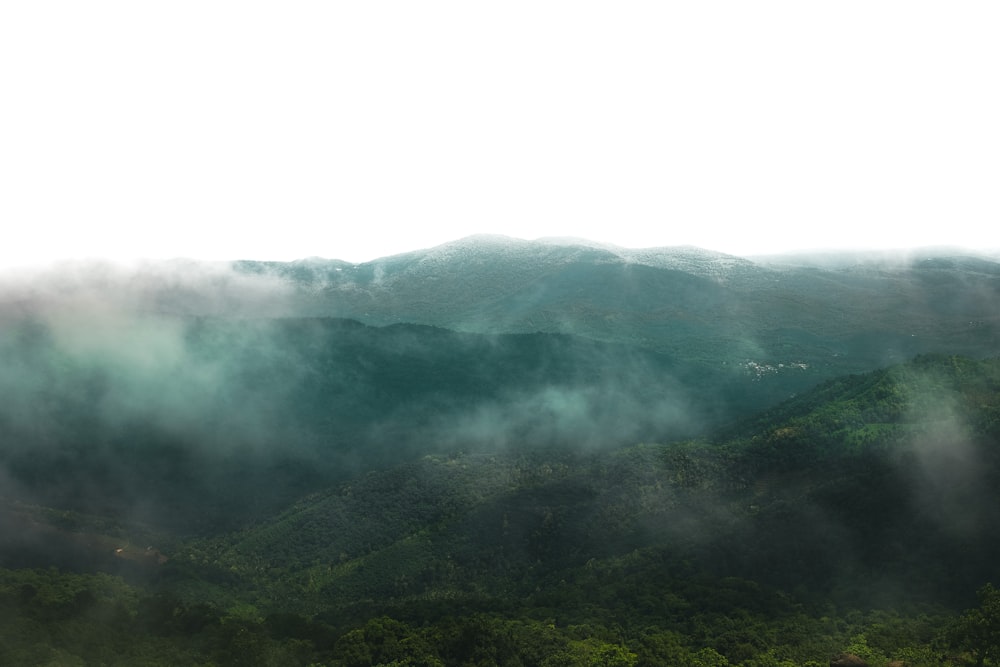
[[978, 630]]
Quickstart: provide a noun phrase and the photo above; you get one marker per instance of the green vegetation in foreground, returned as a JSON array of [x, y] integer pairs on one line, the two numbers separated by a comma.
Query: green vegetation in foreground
[[57, 618]]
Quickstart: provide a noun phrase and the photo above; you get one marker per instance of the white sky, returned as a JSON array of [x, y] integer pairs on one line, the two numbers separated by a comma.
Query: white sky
[[278, 130]]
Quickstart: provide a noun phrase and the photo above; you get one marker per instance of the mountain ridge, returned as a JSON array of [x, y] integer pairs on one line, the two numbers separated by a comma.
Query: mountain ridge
[[846, 317]]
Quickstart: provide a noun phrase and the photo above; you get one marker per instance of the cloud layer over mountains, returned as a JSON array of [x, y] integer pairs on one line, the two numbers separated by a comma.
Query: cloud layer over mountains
[[120, 384], [122, 381]]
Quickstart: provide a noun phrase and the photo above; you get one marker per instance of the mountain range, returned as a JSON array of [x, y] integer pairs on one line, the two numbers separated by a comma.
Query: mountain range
[[843, 310], [500, 452]]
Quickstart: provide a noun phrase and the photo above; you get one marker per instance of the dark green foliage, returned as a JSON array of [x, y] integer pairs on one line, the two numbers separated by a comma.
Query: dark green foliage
[[978, 630]]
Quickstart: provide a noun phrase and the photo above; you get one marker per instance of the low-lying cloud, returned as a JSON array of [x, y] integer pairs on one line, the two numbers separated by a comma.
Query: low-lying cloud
[[128, 382]]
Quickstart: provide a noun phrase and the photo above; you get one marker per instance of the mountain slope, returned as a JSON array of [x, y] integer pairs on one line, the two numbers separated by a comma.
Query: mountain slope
[[213, 419], [774, 541], [899, 503]]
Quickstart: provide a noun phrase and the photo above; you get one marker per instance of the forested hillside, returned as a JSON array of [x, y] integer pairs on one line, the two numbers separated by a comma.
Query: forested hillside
[[202, 422], [502, 453], [859, 517]]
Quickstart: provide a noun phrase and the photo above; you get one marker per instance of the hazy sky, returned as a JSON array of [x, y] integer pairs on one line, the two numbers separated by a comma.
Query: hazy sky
[[278, 130]]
